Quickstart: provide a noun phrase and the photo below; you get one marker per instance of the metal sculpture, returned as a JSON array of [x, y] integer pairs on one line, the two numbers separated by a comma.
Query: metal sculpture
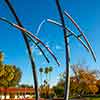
[[28, 48], [67, 79], [36, 41], [81, 35], [66, 92], [32, 37], [28, 35]]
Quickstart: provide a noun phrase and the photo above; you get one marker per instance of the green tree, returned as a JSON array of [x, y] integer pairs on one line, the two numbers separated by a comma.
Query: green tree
[[59, 91], [73, 86], [85, 79], [10, 75], [59, 88], [45, 88], [25, 86], [46, 81], [1, 57], [50, 71], [46, 72]]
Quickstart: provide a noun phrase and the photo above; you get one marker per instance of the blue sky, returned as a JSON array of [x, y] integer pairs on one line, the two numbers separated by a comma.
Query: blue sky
[[31, 13]]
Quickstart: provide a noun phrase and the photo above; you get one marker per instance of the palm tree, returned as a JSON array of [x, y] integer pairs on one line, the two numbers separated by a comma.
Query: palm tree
[[46, 81], [46, 72], [41, 71], [50, 70]]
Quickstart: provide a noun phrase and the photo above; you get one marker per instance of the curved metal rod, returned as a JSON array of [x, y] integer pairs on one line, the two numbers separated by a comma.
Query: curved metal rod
[[39, 49], [17, 19], [47, 48], [20, 24], [78, 38], [60, 25], [40, 26], [32, 36], [28, 48], [79, 29], [67, 79]]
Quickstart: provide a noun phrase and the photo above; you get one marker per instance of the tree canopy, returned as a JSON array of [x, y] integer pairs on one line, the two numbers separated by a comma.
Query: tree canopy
[[10, 75], [83, 82]]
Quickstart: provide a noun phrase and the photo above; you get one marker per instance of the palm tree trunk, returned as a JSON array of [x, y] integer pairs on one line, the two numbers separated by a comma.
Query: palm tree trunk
[[28, 48], [41, 79], [47, 77], [67, 81]]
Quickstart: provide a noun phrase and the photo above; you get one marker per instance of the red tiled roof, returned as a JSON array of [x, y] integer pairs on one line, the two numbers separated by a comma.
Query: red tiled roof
[[22, 90]]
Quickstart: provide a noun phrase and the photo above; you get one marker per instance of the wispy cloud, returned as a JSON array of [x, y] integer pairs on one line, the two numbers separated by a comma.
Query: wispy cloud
[[39, 53], [47, 44], [39, 27], [58, 47]]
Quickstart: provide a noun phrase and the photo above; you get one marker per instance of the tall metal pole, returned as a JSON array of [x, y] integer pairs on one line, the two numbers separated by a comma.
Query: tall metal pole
[[67, 81], [28, 48]]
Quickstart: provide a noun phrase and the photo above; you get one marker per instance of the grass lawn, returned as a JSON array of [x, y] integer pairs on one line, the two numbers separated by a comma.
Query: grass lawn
[[93, 98], [88, 98], [96, 97]]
